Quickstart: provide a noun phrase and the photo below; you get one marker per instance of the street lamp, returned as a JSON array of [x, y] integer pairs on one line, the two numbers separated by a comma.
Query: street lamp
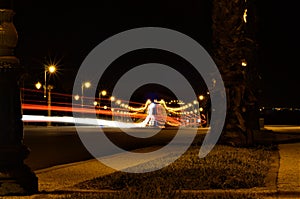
[[76, 97], [201, 97], [112, 98], [244, 63], [84, 85], [38, 85], [102, 93], [16, 178], [50, 69]]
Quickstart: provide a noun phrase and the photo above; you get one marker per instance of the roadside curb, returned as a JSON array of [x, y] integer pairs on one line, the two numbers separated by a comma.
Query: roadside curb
[[259, 192], [49, 169]]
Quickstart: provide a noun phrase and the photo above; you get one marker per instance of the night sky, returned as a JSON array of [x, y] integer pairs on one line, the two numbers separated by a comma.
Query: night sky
[[67, 31]]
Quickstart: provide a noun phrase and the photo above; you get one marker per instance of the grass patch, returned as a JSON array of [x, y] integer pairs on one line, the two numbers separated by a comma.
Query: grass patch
[[224, 167]]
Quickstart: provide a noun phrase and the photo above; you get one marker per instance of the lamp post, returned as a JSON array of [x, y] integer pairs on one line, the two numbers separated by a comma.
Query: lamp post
[[112, 98], [201, 98], [84, 85], [16, 178], [195, 107], [49, 103], [38, 85], [102, 93], [48, 69], [76, 97], [200, 111]]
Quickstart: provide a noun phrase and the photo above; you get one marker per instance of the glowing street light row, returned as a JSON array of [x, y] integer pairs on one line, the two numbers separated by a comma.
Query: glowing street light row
[[126, 106], [88, 84], [51, 69]]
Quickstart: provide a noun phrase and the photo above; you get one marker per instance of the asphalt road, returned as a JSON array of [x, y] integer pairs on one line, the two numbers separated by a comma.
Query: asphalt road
[[52, 146]]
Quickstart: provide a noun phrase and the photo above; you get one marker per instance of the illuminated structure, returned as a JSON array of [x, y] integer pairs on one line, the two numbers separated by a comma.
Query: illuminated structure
[[156, 115]]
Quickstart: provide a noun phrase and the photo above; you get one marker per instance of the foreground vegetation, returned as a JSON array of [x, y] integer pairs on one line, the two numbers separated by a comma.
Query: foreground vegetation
[[147, 195], [224, 167]]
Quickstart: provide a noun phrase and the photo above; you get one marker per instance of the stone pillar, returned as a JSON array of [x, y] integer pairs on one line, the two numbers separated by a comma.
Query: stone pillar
[[16, 178]]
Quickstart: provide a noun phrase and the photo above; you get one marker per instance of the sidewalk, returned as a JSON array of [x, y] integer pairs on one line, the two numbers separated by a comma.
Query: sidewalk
[[56, 181], [288, 183], [288, 177]]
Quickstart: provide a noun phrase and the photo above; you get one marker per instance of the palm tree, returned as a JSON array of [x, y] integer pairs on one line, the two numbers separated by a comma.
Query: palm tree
[[233, 50]]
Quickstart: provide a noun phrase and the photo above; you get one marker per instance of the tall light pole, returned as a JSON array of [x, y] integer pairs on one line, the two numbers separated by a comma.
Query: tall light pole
[[102, 93], [38, 85], [16, 178], [201, 98], [195, 111], [84, 85], [200, 111], [49, 103], [48, 69]]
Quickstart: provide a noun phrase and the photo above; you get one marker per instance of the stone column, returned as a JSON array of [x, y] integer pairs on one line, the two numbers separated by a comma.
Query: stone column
[[15, 177]]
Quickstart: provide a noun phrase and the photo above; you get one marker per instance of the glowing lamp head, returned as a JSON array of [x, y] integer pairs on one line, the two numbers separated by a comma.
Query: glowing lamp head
[[87, 84], [244, 63], [103, 93], [52, 69], [38, 85], [112, 98], [76, 97]]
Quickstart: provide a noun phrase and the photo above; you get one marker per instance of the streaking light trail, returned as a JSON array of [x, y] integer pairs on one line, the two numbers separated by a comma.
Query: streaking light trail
[[125, 114], [85, 121]]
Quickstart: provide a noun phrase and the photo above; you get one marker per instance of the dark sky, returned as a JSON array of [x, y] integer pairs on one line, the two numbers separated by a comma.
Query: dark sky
[[280, 40], [68, 31]]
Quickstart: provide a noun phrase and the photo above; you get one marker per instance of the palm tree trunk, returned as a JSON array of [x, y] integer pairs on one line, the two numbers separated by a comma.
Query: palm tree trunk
[[233, 47]]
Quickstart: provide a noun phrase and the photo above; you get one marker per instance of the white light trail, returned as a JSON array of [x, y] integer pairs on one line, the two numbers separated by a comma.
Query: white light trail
[[86, 121]]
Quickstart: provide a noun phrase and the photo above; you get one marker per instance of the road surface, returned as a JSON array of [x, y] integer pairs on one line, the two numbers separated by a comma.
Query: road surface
[[52, 146]]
